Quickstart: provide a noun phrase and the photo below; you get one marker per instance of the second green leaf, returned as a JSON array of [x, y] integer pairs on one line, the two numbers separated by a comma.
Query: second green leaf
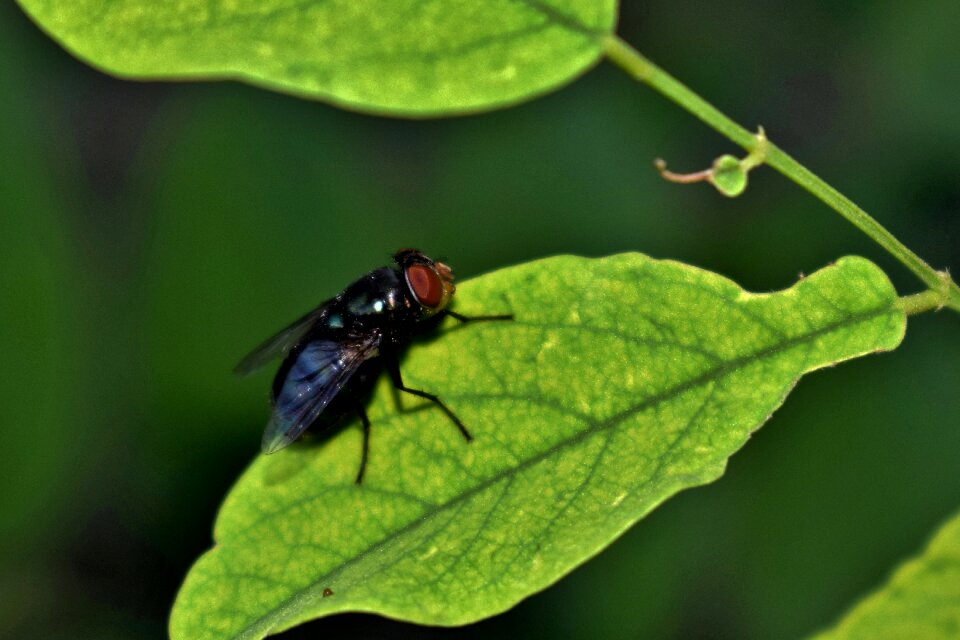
[[404, 57]]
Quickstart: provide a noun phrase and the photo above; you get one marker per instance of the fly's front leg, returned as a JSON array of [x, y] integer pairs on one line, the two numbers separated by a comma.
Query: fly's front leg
[[394, 368], [465, 319]]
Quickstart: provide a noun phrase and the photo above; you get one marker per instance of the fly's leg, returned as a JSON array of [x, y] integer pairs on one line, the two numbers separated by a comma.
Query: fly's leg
[[394, 368], [366, 441], [465, 319]]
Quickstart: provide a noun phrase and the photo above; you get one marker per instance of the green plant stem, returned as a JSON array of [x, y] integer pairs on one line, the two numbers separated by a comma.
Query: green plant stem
[[946, 291], [920, 302]]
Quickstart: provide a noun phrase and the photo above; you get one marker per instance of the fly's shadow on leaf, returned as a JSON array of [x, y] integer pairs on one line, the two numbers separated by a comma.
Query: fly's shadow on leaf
[[289, 465], [621, 382]]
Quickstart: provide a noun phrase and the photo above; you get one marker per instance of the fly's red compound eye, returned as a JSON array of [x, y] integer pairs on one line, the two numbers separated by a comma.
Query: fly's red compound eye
[[425, 285]]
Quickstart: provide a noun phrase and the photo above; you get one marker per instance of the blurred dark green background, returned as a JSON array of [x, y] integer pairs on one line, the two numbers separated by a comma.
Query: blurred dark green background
[[150, 234]]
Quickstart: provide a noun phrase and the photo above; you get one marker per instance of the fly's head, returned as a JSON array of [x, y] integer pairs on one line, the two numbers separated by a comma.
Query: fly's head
[[430, 283]]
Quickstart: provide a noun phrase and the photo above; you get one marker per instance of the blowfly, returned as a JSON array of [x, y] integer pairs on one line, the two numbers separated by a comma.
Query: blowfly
[[334, 354]]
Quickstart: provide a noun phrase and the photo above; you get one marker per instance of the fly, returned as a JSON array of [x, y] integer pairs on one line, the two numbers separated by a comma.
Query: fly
[[334, 354]]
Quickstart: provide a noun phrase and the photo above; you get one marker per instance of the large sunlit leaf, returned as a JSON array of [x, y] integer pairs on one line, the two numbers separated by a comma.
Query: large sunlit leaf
[[622, 381], [413, 57], [921, 599]]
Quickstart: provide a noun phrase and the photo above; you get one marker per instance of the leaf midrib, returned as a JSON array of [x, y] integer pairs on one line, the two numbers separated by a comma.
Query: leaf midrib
[[267, 621]]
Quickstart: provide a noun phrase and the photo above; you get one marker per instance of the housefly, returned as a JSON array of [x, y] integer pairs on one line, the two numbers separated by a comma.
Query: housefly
[[334, 354]]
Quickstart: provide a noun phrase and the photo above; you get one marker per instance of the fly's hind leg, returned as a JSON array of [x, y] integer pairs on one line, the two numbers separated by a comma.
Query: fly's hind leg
[[366, 441], [394, 368]]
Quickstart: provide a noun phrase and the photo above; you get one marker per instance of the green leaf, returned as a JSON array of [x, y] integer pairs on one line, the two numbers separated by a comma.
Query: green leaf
[[406, 57], [622, 381], [921, 599]]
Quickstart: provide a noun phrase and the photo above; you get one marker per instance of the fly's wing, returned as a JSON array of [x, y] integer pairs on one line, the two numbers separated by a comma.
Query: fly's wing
[[281, 343], [320, 371]]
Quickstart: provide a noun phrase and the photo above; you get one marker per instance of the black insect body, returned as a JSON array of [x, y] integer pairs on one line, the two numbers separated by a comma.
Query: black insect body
[[335, 353]]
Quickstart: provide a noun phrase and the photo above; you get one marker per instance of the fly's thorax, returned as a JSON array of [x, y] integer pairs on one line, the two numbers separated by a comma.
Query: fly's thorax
[[374, 304], [379, 293]]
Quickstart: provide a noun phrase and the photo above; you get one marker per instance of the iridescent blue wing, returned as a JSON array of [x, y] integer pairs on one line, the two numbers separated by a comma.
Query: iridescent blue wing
[[320, 371], [281, 343]]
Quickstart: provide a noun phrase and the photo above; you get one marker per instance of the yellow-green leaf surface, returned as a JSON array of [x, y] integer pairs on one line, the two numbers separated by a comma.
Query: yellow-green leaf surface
[[622, 381], [411, 57], [920, 601]]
